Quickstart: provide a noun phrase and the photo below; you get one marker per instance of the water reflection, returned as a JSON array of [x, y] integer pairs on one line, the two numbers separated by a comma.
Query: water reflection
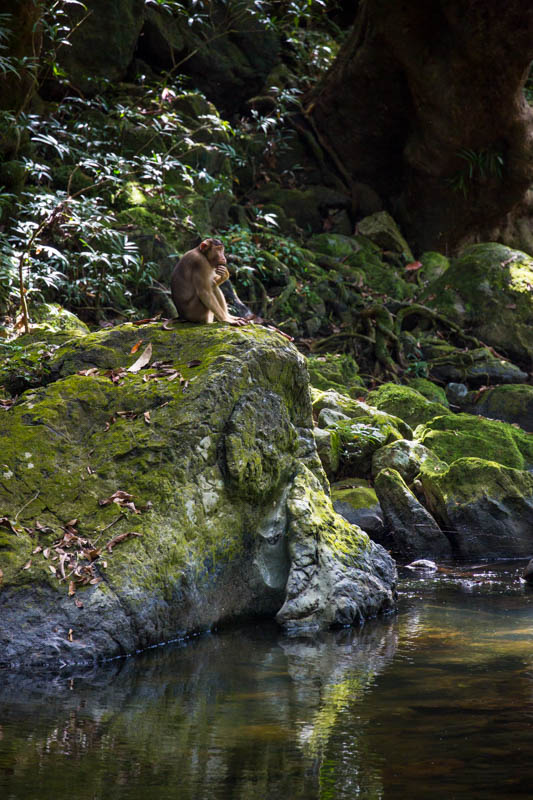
[[437, 700]]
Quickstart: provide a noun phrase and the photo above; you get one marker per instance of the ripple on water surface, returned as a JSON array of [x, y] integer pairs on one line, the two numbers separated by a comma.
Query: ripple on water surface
[[434, 702]]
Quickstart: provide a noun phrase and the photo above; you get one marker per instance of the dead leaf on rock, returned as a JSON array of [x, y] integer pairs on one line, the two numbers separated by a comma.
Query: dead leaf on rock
[[70, 635], [143, 360], [88, 372], [148, 320], [27, 565], [147, 417], [136, 347], [71, 588]]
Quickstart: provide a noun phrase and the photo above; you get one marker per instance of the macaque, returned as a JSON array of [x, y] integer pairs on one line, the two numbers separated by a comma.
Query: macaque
[[195, 284]]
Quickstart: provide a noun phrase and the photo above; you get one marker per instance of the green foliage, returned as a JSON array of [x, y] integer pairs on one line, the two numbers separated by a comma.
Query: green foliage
[[480, 166]]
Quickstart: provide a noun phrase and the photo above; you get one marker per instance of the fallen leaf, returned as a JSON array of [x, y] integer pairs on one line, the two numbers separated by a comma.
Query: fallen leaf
[[95, 580], [70, 635], [27, 565], [147, 417], [143, 360], [413, 266], [71, 588], [46, 552], [38, 549], [146, 321], [52, 569], [136, 347], [87, 372]]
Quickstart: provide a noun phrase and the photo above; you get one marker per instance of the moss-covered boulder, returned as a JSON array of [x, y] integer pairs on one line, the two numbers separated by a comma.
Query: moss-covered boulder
[[488, 289], [431, 391], [412, 531], [512, 404], [459, 436], [337, 575], [336, 371], [381, 229], [477, 366], [406, 403], [357, 502], [485, 508], [360, 430], [405, 457], [141, 503]]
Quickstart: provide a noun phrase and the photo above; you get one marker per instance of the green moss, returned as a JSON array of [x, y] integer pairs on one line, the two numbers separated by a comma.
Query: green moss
[[429, 390], [381, 229], [469, 479], [406, 403], [316, 518], [356, 496], [464, 436], [357, 409], [336, 371]]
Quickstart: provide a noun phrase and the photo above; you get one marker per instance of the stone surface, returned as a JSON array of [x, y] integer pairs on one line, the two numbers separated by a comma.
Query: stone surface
[[224, 516], [488, 289], [485, 508], [412, 530]]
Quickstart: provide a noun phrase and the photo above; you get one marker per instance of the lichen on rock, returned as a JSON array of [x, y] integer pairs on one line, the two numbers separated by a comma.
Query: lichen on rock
[[211, 445]]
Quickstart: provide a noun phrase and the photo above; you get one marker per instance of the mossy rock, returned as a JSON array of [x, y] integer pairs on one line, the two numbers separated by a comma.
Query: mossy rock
[[488, 289], [337, 245], [357, 502], [477, 366], [406, 403], [356, 409], [337, 371], [486, 508], [405, 457], [381, 229], [459, 436], [102, 46], [413, 531], [434, 265], [210, 449], [431, 391], [51, 317], [513, 404]]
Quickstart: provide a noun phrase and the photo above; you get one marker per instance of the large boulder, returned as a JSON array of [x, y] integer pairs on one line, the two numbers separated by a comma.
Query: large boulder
[[509, 403], [485, 508], [141, 505], [405, 402], [465, 436], [412, 531], [488, 290]]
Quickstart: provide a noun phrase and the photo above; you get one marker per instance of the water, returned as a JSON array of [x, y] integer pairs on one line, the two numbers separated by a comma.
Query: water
[[435, 702]]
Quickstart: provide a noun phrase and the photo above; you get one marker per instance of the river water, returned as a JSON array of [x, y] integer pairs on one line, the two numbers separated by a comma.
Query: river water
[[433, 702]]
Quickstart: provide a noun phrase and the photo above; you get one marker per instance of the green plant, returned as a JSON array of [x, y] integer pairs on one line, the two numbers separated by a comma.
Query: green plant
[[480, 165]]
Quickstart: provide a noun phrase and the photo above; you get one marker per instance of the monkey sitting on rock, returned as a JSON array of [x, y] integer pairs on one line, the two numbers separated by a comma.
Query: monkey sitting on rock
[[195, 284]]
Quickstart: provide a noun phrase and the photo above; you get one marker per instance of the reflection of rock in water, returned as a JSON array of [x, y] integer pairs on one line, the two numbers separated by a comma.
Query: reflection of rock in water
[[219, 717], [331, 673], [330, 670]]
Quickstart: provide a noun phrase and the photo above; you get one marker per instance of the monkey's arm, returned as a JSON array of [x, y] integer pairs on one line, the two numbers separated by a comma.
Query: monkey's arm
[[221, 274]]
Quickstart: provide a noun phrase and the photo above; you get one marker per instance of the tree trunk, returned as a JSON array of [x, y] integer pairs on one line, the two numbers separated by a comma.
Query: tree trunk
[[22, 47], [425, 104]]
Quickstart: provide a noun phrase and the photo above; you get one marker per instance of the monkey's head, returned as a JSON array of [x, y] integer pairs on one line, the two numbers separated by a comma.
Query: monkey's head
[[213, 250]]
